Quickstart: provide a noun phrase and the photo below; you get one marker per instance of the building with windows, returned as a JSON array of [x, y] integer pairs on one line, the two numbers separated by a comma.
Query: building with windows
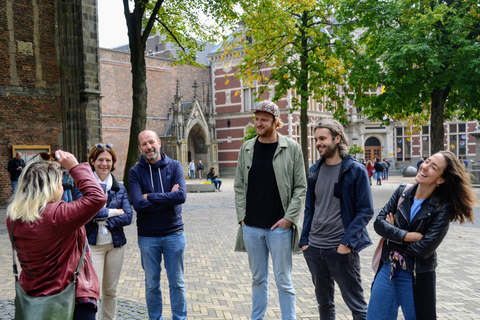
[[233, 102]]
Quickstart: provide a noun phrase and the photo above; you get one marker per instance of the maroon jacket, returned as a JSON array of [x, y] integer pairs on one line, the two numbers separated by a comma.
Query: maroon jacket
[[49, 249]]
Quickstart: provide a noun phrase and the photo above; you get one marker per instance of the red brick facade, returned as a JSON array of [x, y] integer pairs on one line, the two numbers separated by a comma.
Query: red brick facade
[[30, 105], [115, 81]]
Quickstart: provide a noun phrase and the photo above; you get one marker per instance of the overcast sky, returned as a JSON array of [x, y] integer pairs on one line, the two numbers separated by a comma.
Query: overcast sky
[[111, 24]]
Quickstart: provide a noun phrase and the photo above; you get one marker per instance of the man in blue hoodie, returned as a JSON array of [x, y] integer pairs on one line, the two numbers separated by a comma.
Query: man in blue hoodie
[[157, 190]]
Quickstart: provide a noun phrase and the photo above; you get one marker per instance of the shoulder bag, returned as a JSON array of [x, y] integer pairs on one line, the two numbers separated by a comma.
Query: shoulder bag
[[59, 306], [377, 255]]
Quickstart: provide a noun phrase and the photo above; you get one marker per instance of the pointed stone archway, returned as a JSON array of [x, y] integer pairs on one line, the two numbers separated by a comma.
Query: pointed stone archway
[[191, 133]]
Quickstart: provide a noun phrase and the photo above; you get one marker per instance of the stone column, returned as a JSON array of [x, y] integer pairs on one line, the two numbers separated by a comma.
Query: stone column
[[78, 56]]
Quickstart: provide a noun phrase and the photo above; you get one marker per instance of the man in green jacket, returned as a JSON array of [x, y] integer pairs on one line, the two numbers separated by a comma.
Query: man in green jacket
[[270, 187]]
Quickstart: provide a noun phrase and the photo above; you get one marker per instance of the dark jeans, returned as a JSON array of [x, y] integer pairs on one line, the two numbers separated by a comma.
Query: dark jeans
[[85, 311], [327, 266], [217, 183]]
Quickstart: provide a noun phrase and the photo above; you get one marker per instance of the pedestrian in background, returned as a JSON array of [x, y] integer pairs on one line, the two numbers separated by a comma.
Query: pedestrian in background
[[386, 166], [67, 184], [200, 168], [413, 231], [191, 169], [15, 167], [378, 166], [369, 167]]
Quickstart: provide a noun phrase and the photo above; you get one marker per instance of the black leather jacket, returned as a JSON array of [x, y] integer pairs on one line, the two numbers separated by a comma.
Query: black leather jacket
[[431, 220]]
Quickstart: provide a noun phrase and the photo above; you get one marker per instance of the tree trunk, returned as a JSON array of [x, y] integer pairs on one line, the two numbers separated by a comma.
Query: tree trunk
[[304, 94], [139, 87], [439, 97]]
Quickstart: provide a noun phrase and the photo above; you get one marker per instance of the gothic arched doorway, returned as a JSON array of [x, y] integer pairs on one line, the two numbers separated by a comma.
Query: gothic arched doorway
[[372, 148], [196, 145]]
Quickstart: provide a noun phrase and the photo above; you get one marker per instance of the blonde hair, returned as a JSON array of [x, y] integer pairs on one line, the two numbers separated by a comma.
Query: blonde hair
[[38, 185], [278, 122]]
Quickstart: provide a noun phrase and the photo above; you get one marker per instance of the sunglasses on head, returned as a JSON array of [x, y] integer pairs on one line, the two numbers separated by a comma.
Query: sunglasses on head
[[101, 146]]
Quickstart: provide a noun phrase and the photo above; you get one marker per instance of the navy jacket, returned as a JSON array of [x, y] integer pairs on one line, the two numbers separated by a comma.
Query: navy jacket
[[117, 198], [13, 164], [161, 213], [355, 202]]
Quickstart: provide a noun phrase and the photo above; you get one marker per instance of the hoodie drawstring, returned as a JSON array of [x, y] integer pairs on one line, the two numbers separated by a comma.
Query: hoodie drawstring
[[151, 178]]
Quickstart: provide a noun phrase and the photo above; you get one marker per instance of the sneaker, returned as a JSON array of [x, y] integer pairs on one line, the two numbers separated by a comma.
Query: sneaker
[[219, 190]]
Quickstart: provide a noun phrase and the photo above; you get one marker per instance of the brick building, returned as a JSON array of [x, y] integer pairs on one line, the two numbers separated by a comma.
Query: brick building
[[234, 101], [49, 88], [170, 88]]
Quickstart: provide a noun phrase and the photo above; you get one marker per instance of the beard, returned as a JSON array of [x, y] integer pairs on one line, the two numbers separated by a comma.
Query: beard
[[152, 157], [329, 151]]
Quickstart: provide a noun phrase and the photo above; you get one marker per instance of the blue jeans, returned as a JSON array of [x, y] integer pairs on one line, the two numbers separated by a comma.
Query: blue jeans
[[388, 295], [258, 243], [14, 186], [327, 266], [172, 247], [191, 173], [217, 183], [67, 195]]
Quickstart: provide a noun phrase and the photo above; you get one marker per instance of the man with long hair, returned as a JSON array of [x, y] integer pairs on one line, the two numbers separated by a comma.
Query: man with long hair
[[337, 210]]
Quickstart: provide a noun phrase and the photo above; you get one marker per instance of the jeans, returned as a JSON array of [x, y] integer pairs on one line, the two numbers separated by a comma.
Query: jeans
[[14, 187], [258, 243], [85, 311], [388, 295], [217, 183], [172, 247], [67, 195], [108, 262], [191, 173], [327, 266]]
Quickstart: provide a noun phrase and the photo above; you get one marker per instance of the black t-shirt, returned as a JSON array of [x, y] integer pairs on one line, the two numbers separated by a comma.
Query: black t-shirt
[[264, 206]]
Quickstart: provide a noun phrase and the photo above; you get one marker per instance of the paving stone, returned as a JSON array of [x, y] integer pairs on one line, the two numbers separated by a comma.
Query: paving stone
[[218, 280]]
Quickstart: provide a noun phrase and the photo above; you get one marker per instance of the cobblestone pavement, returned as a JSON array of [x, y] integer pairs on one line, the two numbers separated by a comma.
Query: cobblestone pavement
[[218, 281]]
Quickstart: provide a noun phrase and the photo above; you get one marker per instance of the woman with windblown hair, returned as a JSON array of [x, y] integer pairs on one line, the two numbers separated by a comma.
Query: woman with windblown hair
[[412, 232], [48, 233]]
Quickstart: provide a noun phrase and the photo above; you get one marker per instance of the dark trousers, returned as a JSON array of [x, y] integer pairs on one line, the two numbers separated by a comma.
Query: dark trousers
[[85, 311], [327, 266]]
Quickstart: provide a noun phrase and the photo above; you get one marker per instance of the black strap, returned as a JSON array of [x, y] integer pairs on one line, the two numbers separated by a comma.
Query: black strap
[[15, 269]]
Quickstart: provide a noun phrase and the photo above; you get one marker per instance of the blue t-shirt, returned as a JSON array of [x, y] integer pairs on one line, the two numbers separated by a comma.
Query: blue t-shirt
[[417, 204]]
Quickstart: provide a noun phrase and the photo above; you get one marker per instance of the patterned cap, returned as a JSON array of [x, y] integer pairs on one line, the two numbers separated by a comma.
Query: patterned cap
[[268, 106]]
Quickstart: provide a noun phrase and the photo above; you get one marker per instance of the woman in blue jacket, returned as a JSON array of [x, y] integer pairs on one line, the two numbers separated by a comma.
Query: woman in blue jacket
[[413, 231], [105, 231]]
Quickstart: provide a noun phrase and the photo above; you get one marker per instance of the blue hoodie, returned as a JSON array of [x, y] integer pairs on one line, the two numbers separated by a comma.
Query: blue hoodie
[[161, 213]]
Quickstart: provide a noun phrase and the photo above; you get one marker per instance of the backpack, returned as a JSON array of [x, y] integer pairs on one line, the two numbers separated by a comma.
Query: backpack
[[67, 180]]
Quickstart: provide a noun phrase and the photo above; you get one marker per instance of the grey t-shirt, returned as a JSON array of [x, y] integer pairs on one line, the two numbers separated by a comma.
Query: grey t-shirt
[[327, 225]]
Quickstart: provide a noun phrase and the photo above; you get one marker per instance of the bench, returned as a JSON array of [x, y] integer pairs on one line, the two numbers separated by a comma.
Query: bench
[[199, 187]]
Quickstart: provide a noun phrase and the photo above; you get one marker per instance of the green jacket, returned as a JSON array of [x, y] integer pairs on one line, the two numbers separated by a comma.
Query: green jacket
[[292, 185]]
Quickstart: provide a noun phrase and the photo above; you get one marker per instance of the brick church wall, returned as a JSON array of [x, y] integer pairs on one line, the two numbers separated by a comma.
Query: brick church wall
[[116, 103], [30, 106]]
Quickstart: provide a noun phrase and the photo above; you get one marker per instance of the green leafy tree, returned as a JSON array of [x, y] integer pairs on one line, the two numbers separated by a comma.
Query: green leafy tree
[[294, 45], [189, 24], [424, 54]]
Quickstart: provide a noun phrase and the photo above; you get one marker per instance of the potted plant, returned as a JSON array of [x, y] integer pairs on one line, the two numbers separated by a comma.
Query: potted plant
[[356, 151]]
